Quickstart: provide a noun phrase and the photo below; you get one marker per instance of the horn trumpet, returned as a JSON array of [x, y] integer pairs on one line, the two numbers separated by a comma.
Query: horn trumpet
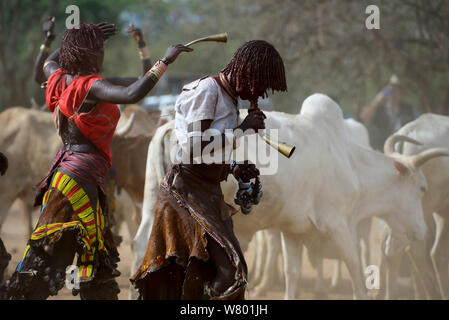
[[221, 37], [283, 148]]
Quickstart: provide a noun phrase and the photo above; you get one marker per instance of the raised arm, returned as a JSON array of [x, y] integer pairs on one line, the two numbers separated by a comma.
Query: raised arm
[[369, 111], [104, 90], [143, 51], [136, 33], [48, 29], [51, 64]]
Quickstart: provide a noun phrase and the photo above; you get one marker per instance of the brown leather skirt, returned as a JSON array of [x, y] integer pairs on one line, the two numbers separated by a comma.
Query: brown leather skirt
[[176, 265]]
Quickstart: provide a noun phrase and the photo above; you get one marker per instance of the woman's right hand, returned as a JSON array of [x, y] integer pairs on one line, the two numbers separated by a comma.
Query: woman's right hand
[[173, 51], [255, 120], [137, 35]]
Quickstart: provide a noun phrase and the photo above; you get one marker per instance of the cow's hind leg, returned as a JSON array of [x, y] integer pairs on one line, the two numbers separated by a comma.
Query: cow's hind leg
[[316, 258], [424, 267], [363, 234], [336, 274], [291, 255], [418, 286], [320, 288], [393, 249], [257, 268], [440, 255], [346, 242], [270, 271]]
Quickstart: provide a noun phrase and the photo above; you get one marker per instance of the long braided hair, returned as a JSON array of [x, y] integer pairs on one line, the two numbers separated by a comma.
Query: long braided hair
[[257, 62], [81, 48]]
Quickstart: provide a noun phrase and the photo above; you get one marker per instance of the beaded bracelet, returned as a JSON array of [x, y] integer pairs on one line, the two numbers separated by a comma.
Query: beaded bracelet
[[43, 47], [143, 53], [46, 63], [156, 71]]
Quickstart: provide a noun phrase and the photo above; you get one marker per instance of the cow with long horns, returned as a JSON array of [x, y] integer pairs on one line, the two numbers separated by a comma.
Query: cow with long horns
[[323, 191], [426, 132]]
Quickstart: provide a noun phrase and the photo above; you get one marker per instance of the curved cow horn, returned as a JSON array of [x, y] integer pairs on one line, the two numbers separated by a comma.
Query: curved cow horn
[[125, 128], [392, 140], [423, 157]]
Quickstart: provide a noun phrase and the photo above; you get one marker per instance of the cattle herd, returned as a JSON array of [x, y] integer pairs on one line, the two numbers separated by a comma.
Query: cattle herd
[[328, 197]]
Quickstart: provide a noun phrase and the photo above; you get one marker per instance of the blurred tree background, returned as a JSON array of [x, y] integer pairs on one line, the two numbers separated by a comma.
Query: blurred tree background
[[325, 44]]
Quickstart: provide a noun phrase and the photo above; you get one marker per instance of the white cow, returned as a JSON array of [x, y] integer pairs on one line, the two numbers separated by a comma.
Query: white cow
[[268, 244], [432, 131], [328, 186], [264, 272]]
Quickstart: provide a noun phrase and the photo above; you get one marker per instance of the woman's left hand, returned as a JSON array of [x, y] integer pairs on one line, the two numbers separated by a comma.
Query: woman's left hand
[[245, 171], [173, 52], [137, 35]]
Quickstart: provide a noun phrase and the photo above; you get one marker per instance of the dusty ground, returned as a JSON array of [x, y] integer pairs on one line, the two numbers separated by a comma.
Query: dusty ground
[[13, 235]]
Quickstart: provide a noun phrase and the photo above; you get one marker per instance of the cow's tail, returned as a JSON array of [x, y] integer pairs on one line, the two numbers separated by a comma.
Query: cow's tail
[[158, 146]]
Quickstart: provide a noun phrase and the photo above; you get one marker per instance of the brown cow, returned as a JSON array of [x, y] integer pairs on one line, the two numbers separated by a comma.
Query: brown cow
[[146, 121], [129, 157], [30, 141]]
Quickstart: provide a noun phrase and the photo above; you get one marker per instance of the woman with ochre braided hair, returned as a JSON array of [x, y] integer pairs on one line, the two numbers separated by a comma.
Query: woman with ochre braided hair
[[109, 30], [193, 252], [39, 76], [74, 217]]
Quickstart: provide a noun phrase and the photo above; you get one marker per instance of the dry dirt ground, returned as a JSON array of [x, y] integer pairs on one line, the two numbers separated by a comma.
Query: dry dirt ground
[[13, 235]]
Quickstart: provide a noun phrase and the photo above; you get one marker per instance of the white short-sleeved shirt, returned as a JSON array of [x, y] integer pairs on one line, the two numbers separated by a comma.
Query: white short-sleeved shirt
[[203, 99]]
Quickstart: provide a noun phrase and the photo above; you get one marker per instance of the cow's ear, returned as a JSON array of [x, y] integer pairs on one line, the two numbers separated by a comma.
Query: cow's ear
[[401, 168]]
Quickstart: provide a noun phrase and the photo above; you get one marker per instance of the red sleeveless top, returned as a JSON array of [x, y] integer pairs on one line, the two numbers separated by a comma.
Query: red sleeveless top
[[97, 125]]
